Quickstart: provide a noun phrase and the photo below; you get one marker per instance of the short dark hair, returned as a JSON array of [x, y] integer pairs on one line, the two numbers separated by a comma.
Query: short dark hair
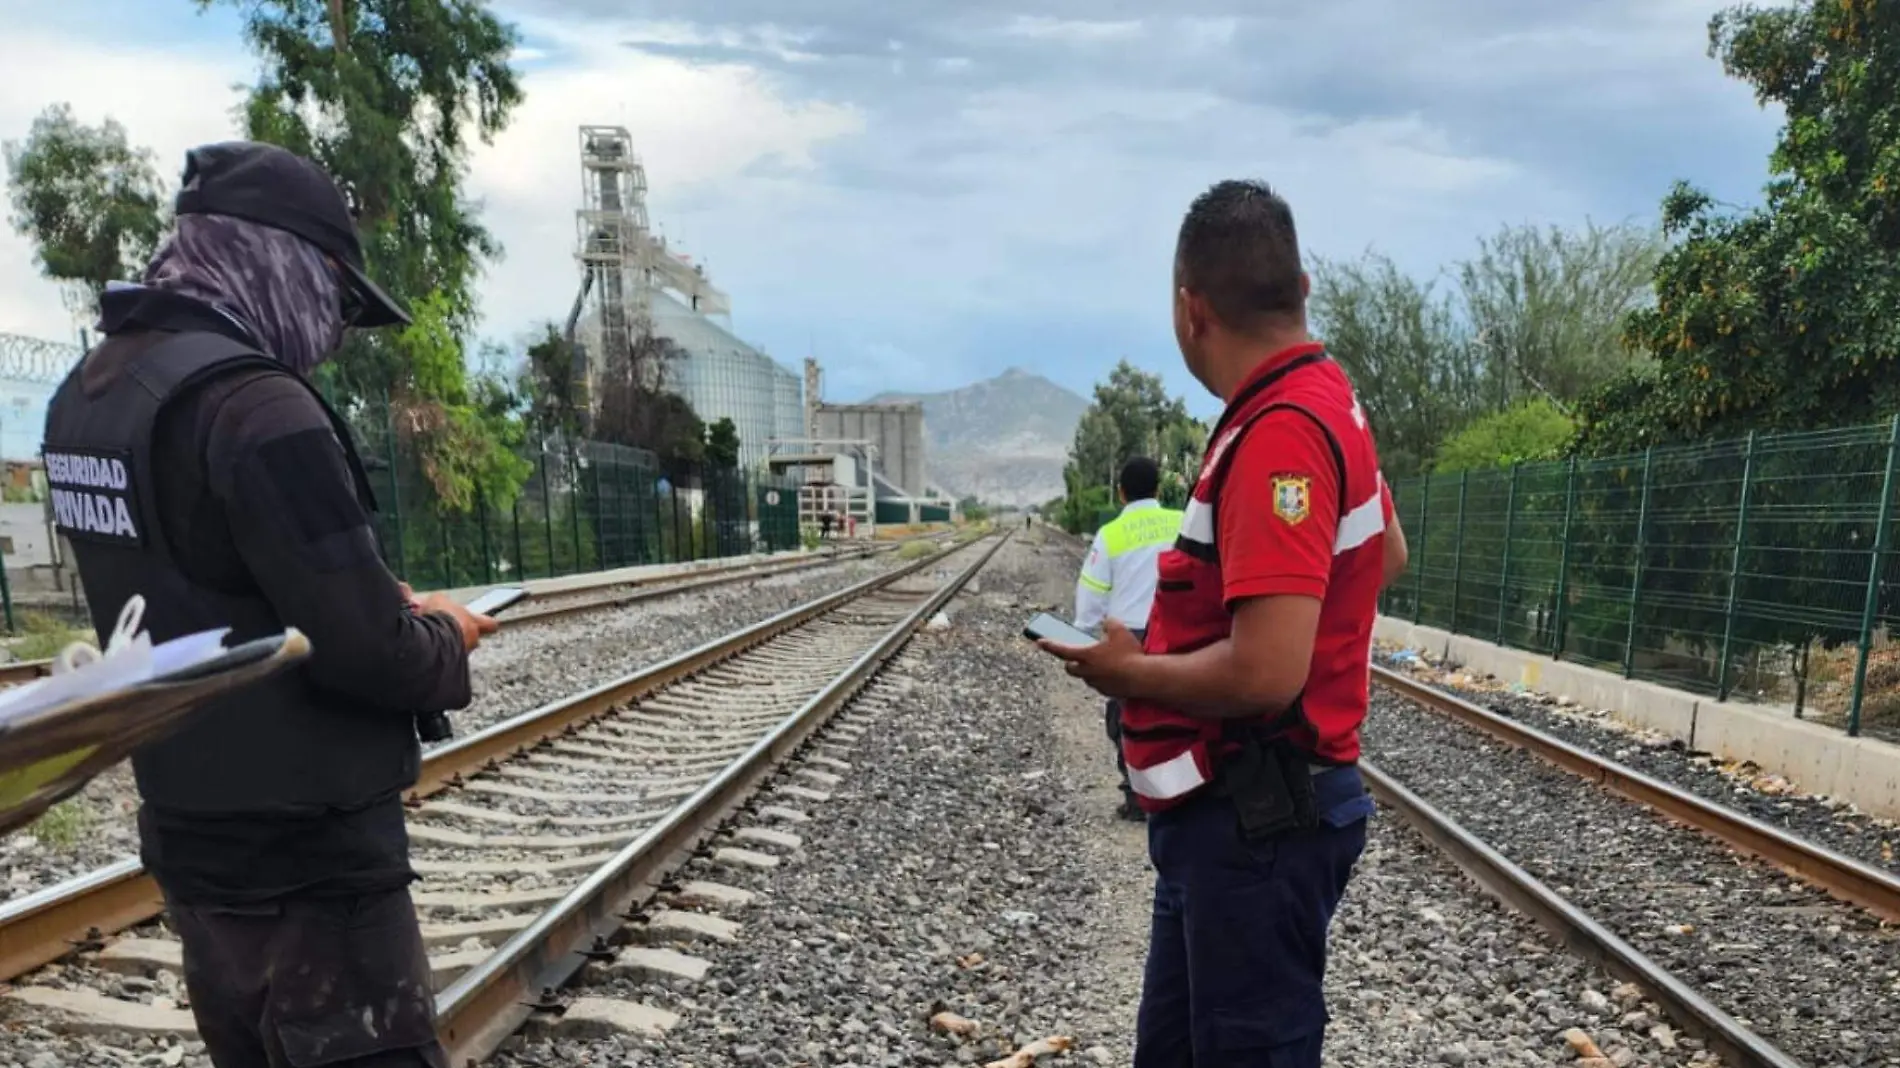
[[1238, 251], [1140, 478]]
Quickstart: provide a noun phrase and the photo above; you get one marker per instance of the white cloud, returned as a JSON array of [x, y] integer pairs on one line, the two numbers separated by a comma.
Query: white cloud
[[1072, 31], [697, 126], [1025, 176], [142, 89]]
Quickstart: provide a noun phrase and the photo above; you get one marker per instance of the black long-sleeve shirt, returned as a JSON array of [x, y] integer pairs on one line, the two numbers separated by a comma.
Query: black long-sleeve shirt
[[271, 467], [256, 496]]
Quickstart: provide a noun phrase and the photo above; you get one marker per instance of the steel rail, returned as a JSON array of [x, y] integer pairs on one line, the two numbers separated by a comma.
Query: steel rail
[[43, 926], [1839, 875], [488, 747], [1581, 934], [664, 587], [647, 587], [488, 1003]]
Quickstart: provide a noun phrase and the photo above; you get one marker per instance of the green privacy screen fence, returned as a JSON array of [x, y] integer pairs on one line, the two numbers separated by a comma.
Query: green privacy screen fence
[[586, 506], [1762, 568]]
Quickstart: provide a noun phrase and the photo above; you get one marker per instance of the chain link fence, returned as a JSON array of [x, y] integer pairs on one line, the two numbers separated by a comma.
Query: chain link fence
[[1762, 568]]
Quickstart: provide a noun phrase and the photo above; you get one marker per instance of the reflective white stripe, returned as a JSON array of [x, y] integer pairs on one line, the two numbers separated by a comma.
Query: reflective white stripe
[[1197, 522], [1361, 524], [1168, 779]]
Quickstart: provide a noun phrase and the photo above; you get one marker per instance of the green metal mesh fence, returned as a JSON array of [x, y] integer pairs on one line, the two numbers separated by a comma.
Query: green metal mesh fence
[[586, 506], [1762, 568]]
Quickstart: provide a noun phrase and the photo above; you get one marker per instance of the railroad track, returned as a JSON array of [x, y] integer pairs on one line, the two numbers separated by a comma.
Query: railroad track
[[542, 607], [1742, 939], [534, 837], [559, 603]]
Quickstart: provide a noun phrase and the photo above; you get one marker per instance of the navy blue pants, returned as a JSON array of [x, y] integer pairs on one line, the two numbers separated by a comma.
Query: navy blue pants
[[1237, 950]]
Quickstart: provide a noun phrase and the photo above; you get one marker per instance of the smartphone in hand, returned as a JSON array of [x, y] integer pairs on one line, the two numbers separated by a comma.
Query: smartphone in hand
[[495, 600], [1046, 626]]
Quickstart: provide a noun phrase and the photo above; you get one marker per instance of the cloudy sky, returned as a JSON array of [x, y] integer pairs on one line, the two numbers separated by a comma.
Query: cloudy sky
[[927, 193]]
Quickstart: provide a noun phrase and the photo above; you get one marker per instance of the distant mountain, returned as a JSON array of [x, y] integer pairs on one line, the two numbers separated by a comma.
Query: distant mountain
[[1003, 440]]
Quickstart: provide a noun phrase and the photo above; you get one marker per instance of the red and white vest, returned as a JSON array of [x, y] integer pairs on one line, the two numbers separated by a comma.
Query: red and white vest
[[1171, 755]]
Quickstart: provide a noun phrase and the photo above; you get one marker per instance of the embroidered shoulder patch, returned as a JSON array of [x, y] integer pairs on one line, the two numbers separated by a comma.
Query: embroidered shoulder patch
[[1292, 498]]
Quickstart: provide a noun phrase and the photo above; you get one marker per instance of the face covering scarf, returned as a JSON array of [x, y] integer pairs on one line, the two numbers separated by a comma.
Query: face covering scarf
[[275, 283]]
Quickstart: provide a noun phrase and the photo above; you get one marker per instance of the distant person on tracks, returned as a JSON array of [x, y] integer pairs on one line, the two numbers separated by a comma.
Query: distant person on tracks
[[1241, 714], [1118, 580], [274, 823], [824, 525]]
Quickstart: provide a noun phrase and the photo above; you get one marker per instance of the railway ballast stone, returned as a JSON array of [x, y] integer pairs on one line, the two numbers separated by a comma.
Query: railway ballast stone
[[513, 671], [974, 866]]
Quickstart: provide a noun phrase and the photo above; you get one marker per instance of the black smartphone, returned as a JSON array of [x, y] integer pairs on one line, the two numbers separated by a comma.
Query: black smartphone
[[495, 600], [1048, 626]]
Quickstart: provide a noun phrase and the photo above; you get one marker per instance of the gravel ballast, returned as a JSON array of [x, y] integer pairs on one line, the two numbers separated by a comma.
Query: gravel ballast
[[512, 671], [1817, 978], [969, 862], [1743, 787]]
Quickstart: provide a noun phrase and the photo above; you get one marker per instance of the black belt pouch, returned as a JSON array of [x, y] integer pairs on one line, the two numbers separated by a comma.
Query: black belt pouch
[[1268, 782]]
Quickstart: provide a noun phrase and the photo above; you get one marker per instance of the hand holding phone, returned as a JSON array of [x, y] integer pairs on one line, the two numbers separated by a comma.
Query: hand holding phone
[[1046, 627], [1109, 664], [474, 619], [495, 600]]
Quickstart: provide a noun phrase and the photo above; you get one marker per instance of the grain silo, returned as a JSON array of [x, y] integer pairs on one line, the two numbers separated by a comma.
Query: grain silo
[[896, 431]]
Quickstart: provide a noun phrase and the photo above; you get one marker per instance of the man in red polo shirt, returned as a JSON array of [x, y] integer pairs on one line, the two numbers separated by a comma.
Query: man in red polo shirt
[[1241, 712]]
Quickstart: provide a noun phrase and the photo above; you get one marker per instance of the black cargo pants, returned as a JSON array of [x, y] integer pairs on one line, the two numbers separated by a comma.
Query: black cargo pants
[[311, 983]]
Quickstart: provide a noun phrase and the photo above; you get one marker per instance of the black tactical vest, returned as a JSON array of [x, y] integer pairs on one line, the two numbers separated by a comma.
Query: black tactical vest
[[283, 747]]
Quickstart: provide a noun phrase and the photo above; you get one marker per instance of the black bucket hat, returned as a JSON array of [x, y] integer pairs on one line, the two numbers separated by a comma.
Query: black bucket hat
[[277, 188]]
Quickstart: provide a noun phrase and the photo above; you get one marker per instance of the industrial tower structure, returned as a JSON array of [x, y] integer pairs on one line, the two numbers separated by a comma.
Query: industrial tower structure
[[633, 286], [622, 262]]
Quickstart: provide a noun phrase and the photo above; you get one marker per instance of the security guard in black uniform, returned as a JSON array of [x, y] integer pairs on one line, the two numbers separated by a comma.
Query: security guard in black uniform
[[192, 463]]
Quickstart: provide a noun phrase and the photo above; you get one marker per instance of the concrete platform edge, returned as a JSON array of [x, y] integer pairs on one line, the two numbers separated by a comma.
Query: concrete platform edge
[[1818, 760]]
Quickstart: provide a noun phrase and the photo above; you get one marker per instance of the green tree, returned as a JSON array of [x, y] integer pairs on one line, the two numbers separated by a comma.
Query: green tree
[[1082, 508], [1776, 317], [1534, 429], [1547, 306], [1783, 315], [636, 408], [90, 202], [1132, 415], [467, 445], [550, 385], [722, 443], [973, 510], [1534, 312], [1417, 373], [386, 95]]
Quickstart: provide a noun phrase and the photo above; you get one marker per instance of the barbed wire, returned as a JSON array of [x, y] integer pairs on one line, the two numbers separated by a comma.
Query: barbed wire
[[29, 359]]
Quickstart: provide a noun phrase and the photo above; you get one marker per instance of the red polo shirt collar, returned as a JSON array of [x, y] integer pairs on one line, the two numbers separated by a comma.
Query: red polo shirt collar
[[1278, 360]]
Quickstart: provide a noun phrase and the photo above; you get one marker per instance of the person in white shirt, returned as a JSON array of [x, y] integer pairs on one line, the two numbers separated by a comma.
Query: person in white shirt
[[1118, 578]]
